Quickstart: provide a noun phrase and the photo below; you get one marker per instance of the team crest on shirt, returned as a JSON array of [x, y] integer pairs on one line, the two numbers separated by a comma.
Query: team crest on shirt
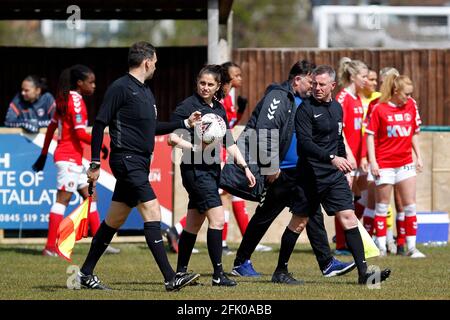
[[407, 117], [78, 118], [40, 112]]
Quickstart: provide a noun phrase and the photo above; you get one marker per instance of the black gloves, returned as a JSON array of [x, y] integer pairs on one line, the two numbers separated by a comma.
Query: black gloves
[[105, 152], [242, 104], [40, 163]]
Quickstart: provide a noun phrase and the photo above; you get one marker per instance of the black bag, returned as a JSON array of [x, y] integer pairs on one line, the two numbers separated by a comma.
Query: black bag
[[234, 181]]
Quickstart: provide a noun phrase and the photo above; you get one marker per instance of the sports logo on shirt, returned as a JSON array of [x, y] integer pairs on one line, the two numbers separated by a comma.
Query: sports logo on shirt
[[78, 118], [273, 107], [40, 112], [407, 117], [398, 117], [358, 110], [358, 123], [398, 131], [76, 103]]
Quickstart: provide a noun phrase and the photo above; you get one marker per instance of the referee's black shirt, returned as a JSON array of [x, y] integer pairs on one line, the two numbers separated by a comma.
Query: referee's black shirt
[[196, 103], [129, 109], [318, 127]]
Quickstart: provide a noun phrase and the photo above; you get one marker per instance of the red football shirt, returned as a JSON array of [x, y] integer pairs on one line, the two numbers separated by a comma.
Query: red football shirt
[[353, 110], [231, 111], [366, 119], [393, 127], [69, 146]]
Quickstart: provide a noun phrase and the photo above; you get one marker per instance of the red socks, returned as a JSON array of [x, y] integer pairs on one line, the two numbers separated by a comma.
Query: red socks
[[240, 213], [55, 218]]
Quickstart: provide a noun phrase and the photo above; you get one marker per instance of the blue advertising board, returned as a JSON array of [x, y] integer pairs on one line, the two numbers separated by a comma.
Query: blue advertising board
[[27, 196]]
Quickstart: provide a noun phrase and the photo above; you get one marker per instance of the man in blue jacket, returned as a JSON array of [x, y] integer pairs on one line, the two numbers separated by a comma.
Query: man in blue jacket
[[273, 121]]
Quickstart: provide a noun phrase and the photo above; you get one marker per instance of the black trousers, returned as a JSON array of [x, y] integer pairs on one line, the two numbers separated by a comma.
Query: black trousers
[[279, 196]]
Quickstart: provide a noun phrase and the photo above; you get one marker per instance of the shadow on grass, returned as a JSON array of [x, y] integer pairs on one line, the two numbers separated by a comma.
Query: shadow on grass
[[134, 283], [51, 288], [29, 251], [302, 251]]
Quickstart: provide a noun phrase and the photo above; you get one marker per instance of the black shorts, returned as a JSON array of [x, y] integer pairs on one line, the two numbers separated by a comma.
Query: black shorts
[[131, 172], [285, 189], [202, 186], [333, 193]]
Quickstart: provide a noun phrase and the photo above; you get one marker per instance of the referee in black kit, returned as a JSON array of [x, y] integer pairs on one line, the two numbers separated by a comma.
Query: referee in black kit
[[129, 109], [322, 166]]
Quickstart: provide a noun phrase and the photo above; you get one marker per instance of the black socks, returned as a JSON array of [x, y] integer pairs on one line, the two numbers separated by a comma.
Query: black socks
[[99, 244], [356, 247], [288, 241], [152, 232]]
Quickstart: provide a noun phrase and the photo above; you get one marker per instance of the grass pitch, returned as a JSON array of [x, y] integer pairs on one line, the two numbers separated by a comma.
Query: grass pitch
[[133, 274]]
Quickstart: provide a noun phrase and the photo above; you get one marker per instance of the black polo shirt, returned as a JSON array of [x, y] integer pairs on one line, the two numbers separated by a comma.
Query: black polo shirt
[[129, 109], [196, 103]]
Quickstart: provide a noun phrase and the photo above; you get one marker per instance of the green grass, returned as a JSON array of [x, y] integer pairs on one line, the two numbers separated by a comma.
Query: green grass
[[134, 275]]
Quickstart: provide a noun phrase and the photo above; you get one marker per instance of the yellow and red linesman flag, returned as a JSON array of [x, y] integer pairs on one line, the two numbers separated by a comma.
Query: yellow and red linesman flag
[[73, 228], [370, 248]]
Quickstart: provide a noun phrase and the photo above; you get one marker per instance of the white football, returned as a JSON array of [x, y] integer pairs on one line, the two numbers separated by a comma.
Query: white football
[[212, 128]]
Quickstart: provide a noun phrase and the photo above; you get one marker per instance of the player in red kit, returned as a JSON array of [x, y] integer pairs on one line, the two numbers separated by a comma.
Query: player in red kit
[[71, 120], [393, 247], [353, 78], [392, 136]]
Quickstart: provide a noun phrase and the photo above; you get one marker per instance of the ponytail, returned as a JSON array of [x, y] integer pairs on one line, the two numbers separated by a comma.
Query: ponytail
[[68, 81], [391, 83], [62, 92], [347, 69], [220, 75]]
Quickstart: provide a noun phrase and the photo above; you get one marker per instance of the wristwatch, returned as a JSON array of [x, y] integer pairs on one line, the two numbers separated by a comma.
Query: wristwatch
[[94, 166], [244, 166], [332, 156]]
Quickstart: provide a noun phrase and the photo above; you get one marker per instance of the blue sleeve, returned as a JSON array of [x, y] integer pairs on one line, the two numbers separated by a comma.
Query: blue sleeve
[[14, 115], [50, 105]]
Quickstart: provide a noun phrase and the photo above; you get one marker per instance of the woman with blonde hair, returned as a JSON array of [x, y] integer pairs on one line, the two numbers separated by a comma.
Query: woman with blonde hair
[[392, 136], [352, 78]]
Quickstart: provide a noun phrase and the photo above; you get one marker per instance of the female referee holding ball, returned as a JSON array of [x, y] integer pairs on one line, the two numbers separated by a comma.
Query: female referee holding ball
[[201, 177]]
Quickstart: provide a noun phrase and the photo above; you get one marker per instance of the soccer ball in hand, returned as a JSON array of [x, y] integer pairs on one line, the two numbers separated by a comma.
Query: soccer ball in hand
[[212, 128]]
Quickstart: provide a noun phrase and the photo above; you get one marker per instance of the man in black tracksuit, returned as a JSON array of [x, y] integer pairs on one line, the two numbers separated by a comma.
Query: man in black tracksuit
[[277, 111], [322, 168]]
